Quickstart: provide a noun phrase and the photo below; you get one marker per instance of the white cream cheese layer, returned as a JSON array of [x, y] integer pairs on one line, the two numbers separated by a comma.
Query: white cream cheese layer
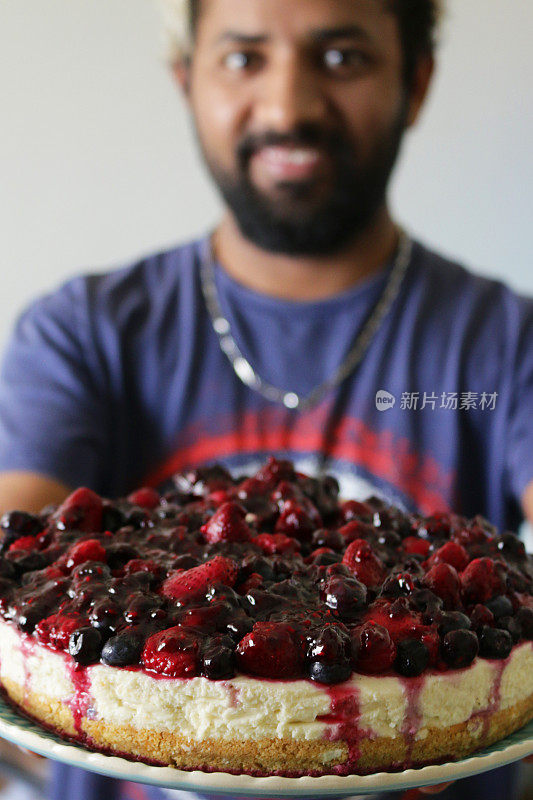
[[246, 708]]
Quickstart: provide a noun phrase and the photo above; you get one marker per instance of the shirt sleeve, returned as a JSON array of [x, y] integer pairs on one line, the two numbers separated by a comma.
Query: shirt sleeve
[[520, 421], [52, 408]]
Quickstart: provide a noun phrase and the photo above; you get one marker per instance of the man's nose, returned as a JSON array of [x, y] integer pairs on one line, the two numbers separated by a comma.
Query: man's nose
[[289, 95]]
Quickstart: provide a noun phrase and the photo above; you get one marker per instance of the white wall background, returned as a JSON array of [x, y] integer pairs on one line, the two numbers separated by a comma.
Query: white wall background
[[97, 162]]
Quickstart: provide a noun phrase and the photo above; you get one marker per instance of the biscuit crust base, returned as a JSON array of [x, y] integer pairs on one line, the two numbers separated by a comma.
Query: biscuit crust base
[[274, 756]]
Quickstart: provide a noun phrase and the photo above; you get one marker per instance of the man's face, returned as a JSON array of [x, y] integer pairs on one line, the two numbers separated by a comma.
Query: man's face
[[299, 107]]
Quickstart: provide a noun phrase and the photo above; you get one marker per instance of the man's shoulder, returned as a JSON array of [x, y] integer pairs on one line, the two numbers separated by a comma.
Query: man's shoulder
[[146, 282], [448, 285], [149, 277]]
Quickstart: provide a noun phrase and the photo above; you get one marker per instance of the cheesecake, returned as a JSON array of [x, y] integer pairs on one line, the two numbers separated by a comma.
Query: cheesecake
[[262, 625]]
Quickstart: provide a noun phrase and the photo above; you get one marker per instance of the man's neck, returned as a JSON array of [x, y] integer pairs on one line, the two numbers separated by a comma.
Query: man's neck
[[305, 278]]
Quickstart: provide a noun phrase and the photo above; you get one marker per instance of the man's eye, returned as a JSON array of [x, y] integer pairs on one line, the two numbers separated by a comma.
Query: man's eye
[[239, 60], [337, 58]]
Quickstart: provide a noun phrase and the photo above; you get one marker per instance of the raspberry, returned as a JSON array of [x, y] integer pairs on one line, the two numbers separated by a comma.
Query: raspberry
[[173, 652], [194, 582], [450, 553], [55, 630], [373, 649], [227, 525], [24, 543], [88, 550], [415, 545], [82, 511], [363, 563], [145, 498], [443, 581], [271, 650], [480, 581], [277, 543]]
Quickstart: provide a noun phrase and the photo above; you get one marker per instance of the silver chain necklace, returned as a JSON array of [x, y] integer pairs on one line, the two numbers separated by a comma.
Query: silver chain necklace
[[292, 400]]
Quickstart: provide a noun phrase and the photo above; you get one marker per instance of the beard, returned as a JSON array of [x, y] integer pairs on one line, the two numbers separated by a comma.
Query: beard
[[301, 220]]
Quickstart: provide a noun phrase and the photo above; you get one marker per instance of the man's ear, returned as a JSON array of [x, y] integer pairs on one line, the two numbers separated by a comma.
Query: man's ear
[[181, 69], [420, 87]]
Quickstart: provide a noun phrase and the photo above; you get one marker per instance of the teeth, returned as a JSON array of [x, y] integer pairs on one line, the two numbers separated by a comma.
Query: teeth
[[298, 157]]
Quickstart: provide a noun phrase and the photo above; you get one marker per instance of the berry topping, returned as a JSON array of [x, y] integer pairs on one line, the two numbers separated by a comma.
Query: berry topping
[[480, 581], [24, 543], [218, 659], [271, 650], [363, 563], [500, 606], [450, 553], [268, 575], [123, 649], [193, 582], [443, 581], [227, 525], [412, 658], [525, 619], [173, 653], [81, 511], [373, 649], [85, 645], [495, 642], [145, 498], [87, 550], [346, 597], [277, 543], [459, 648], [415, 545]]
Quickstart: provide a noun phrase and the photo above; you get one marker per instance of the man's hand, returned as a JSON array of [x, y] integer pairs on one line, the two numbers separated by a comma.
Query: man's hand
[[29, 491]]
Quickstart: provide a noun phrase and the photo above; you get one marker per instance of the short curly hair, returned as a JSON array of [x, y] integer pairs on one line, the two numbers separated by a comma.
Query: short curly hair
[[418, 21]]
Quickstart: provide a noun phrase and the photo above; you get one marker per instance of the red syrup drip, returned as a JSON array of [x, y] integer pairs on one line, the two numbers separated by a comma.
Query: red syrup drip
[[80, 701], [412, 688], [27, 648], [343, 720], [485, 715]]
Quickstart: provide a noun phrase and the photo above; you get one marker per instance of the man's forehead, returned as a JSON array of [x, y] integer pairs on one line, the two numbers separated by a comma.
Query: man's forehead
[[305, 18]]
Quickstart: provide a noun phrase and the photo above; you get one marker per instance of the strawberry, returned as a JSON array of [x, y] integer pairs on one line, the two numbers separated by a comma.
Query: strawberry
[[82, 511], [271, 650], [364, 563], [227, 525], [194, 582], [277, 543], [145, 498], [87, 550], [173, 652]]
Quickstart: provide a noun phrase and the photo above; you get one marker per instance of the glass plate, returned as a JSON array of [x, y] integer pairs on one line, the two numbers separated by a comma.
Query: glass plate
[[18, 729]]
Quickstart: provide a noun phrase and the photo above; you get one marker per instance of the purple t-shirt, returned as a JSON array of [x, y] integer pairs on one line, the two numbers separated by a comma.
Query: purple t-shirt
[[119, 379]]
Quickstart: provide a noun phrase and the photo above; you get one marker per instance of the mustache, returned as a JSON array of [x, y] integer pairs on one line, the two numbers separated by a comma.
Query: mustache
[[303, 136]]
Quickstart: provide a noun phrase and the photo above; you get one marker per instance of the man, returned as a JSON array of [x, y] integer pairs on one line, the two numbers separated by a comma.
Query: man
[[308, 325]]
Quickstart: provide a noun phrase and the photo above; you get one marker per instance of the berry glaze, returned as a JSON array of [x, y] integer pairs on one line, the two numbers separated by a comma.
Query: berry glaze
[[271, 577]]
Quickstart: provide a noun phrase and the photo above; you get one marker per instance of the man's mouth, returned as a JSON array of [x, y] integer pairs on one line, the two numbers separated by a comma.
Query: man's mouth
[[289, 163]]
